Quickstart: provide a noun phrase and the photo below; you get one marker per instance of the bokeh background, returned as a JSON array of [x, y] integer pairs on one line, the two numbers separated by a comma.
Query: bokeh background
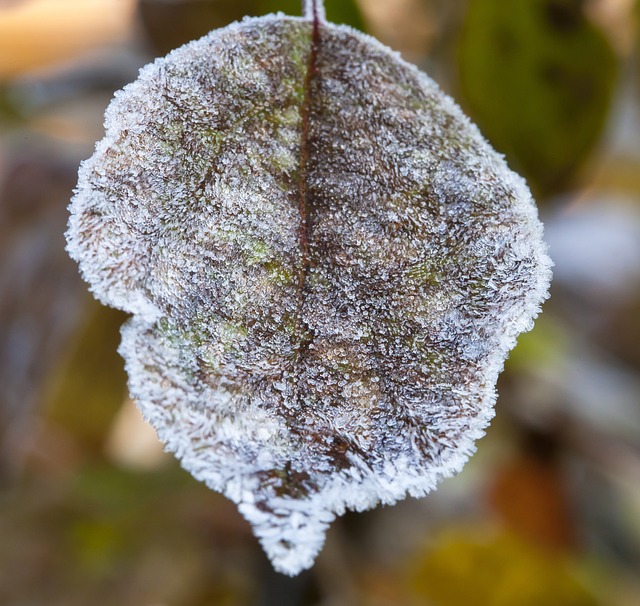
[[548, 511]]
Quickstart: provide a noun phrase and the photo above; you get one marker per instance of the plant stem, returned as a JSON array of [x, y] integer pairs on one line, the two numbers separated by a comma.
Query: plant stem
[[314, 10]]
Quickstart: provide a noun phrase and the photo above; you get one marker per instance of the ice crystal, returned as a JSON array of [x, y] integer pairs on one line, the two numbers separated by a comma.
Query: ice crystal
[[325, 262]]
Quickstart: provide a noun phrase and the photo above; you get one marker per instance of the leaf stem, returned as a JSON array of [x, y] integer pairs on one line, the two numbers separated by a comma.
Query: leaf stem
[[314, 10]]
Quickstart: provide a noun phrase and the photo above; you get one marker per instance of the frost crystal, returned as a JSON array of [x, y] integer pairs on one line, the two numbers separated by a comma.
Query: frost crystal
[[326, 265]]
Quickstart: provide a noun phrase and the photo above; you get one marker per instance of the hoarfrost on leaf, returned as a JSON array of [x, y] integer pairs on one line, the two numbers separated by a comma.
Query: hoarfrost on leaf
[[325, 262]]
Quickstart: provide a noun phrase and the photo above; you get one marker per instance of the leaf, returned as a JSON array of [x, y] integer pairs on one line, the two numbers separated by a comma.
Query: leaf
[[539, 79], [88, 385], [326, 264], [528, 493], [476, 567]]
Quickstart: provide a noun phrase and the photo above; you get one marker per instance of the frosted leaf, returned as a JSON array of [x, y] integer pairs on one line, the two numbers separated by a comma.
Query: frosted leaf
[[326, 265]]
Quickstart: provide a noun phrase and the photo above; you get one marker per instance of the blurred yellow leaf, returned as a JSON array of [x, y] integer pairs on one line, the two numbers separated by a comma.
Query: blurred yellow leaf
[[132, 442], [39, 33], [468, 568]]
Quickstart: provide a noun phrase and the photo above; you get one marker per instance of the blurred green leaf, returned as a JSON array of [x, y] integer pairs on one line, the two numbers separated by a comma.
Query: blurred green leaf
[[546, 345], [10, 114], [538, 78], [345, 11], [89, 385], [170, 24]]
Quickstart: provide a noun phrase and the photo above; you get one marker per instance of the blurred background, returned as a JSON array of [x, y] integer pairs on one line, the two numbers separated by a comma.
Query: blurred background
[[548, 511]]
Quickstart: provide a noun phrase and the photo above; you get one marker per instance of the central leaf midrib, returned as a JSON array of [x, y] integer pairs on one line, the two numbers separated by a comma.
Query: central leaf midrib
[[303, 207]]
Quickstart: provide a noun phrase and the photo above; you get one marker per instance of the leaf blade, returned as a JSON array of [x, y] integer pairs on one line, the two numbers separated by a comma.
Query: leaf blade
[[302, 379]]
